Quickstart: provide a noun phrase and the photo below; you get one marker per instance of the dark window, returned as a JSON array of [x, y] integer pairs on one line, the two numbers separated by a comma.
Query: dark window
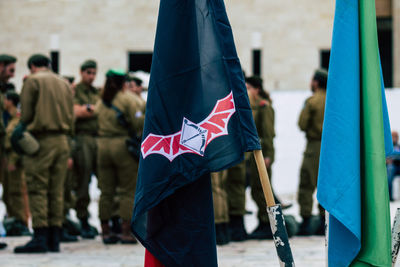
[[54, 56], [140, 61], [324, 56], [257, 62], [386, 49]]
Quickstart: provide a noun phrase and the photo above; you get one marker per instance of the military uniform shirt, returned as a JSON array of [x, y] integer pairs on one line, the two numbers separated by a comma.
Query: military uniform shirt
[[86, 94], [38, 109], [312, 116]]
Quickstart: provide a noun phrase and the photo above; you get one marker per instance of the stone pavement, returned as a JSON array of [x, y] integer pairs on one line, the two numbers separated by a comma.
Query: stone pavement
[[308, 252]]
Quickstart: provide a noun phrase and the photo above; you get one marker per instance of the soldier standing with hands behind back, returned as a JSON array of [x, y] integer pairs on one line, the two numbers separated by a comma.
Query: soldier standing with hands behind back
[[47, 113], [310, 122]]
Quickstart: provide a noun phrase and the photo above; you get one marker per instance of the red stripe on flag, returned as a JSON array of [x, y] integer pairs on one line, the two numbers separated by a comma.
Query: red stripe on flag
[[151, 261]]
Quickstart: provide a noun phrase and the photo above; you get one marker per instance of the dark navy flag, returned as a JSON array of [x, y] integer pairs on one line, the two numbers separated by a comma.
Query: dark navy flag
[[198, 120]]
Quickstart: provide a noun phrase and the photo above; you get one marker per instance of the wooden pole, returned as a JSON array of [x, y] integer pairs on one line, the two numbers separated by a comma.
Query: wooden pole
[[262, 172], [276, 218]]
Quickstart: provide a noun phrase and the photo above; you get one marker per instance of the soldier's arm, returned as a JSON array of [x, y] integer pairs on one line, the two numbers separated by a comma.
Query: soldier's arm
[[135, 115], [82, 110], [268, 133], [305, 116], [29, 96]]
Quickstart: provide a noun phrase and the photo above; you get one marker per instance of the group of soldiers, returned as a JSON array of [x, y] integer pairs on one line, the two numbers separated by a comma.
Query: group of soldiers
[[54, 136], [229, 186], [81, 131]]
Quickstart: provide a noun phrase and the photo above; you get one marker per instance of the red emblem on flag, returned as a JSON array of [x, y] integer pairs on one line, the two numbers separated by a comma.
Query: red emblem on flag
[[193, 137]]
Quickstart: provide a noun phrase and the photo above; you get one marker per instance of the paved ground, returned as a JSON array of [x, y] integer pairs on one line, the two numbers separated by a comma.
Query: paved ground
[[307, 251]]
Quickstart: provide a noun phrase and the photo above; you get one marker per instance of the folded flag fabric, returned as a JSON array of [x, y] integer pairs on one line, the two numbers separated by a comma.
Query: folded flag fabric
[[352, 182], [198, 120]]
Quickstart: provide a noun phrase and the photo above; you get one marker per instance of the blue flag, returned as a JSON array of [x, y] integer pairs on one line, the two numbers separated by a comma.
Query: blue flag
[[346, 150], [198, 120]]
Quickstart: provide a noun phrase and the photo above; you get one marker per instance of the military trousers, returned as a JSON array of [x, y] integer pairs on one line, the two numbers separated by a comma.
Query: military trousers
[[69, 197], [85, 158], [2, 157], [117, 171], [45, 177], [220, 197], [309, 178], [236, 189], [13, 185]]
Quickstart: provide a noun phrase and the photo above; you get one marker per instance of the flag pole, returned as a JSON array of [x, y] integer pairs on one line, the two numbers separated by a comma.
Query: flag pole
[[396, 237], [275, 215]]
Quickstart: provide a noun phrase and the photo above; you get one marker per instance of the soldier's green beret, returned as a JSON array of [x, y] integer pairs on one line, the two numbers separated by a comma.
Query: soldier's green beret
[[89, 64], [115, 72], [38, 60], [321, 73], [7, 59]]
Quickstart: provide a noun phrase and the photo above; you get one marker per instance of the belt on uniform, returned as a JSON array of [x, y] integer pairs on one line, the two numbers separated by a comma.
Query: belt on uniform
[[94, 134], [48, 133]]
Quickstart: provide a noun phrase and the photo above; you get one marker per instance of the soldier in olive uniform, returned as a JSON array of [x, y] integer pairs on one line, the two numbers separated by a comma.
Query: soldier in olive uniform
[[7, 70], [220, 203], [14, 181], [135, 86], [47, 113], [310, 121], [117, 169], [85, 152], [264, 117]]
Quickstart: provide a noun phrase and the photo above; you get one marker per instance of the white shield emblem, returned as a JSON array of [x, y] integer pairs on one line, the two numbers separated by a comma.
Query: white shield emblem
[[193, 136]]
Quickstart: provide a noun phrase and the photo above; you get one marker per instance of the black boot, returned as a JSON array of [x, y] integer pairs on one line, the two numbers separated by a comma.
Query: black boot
[[3, 245], [73, 228], [38, 244], [87, 231], [116, 225], [263, 231], [66, 237], [108, 236], [305, 228], [321, 227], [222, 233], [236, 228], [53, 240], [16, 227]]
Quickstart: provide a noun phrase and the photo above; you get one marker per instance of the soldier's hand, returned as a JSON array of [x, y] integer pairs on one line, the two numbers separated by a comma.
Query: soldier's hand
[[70, 163], [11, 167], [267, 162]]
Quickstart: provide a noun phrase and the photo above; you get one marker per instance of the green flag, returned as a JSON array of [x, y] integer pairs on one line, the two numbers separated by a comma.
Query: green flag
[[375, 213]]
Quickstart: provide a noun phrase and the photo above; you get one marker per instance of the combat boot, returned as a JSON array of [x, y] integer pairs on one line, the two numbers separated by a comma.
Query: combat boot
[[116, 224], [38, 244], [53, 240], [222, 233], [321, 227], [66, 237], [126, 236], [73, 228], [108, 236], [263, 231], [87, 231], [305, 228], [236, 228]]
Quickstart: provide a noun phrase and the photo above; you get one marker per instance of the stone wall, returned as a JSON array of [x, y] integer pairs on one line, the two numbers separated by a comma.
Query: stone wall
[[290, 34]]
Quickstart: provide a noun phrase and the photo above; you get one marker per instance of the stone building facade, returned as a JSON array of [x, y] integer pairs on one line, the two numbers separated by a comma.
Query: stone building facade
[[282, 40]]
